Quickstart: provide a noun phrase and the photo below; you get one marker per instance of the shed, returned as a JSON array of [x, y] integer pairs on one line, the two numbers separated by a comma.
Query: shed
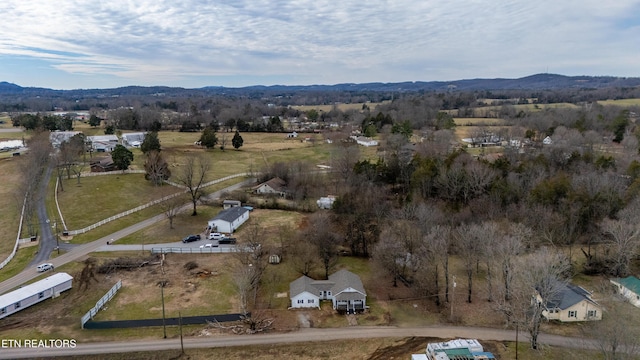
[[31, 294], [228, 220], [231, 203]]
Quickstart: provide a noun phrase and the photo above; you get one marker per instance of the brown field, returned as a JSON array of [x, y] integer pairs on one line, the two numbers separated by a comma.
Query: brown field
[[341, 107], [621, 102], [478, 121]]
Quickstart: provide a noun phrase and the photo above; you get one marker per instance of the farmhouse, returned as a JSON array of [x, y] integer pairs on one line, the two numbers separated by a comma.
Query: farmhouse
[[31, 294], [102, 164], [103, 143], [572, 303], [133, 139], [629, 287], [273, 186], [228, 220], [343, 288]]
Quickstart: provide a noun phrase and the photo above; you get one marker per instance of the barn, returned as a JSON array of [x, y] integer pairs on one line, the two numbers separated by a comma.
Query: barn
[[228, 220], [31, 294]]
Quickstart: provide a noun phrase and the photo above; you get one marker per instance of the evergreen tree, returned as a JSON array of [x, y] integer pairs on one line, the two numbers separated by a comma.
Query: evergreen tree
[[150, 143], [237, 140], [208, 138], [122, 157]]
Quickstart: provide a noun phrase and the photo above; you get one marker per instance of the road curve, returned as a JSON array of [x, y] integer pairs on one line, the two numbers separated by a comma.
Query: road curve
[[304, 335]]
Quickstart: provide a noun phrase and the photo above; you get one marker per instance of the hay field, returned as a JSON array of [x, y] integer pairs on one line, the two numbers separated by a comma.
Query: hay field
[[622, 102], [479, 121], [341, 107]]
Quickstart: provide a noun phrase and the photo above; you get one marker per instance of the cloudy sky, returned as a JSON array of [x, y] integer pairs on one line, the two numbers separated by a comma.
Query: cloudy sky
[[70, 44]]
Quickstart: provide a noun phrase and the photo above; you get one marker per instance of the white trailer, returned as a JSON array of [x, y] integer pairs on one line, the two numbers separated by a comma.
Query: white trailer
[[31, 294]]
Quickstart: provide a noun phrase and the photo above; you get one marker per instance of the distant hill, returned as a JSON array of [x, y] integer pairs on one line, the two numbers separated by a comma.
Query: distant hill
[[533, 82]]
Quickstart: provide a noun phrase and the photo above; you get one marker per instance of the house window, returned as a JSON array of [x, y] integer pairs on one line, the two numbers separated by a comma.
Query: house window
[[41, 295], [301, 301], [17, 305], [573, 314], [310, 301], [592, 313], [328, 293]]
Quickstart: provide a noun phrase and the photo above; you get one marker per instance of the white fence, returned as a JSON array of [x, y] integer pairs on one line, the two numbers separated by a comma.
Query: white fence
[[15, 247], [178, 250], [141, 207], [108, 296]]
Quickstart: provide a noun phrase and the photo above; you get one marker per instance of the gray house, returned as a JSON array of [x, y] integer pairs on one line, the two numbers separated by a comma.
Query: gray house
[[228, 220], [343, 288]]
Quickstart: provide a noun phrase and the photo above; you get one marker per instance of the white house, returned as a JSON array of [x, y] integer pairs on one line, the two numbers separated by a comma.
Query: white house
[[365, 141], [31, 294], [547, 140], [133, 139], [273, 186], [629, 287], [292, 135], [228, 220], [103, 143], [58, 137], [326, 202], [343, 288], [572, 303]]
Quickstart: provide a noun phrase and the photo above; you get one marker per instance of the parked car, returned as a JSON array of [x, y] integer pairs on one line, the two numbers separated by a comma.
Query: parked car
[[227, 240], [215, 236], [209, 245], [44, 267], [191, 238]]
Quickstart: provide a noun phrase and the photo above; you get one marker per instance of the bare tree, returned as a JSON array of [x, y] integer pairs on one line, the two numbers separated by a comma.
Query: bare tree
[[468, 247], [192, 176], [156, 167], [540, 277], [304, 256], [320, 235], [171, 206], [623, 240], [617, 337]]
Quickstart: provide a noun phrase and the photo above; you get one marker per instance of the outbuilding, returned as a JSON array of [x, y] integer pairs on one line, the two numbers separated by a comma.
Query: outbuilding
[[31, 294], [228, 220]]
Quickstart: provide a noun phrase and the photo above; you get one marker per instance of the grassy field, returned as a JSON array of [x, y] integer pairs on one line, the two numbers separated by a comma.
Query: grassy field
[[10, 204], [621, 102], [478, 121], [341, 107]]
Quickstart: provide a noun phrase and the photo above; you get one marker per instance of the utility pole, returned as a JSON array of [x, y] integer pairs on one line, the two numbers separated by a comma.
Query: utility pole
[[180, 323], [453, 291], [164, 324]]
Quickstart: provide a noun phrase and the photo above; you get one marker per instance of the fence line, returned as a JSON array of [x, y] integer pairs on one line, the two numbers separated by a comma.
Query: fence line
[[94, 310], [144, 206], [15, 247], [178, 250]]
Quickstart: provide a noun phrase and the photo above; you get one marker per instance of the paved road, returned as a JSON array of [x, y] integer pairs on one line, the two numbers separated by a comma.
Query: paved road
[[303, 335], [84, 249]]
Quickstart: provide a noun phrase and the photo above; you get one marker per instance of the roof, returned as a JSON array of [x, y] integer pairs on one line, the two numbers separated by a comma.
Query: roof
[[276, 184], [102, 138], [568, 296], [345, 279], [34, 288], [302, 284], [230, 214], [337, 283], [630, 282]]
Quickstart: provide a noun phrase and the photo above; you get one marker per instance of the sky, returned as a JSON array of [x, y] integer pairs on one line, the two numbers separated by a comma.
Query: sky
[[80, 44]]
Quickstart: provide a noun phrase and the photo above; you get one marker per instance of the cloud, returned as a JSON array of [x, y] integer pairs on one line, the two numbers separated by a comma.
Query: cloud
[[186, 42]]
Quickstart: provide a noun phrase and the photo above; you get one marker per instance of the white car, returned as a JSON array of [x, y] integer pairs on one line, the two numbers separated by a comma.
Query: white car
[[44, 267], [208, 246], [216, 236]]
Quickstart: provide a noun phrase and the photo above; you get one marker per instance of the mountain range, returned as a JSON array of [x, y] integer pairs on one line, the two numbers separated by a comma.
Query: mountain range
[[533, 82]]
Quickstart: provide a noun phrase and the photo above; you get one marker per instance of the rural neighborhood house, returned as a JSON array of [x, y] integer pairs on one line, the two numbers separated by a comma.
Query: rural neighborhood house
[[629, 287], [273, 186], [228, 220], [572, 303], [343, 288]]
